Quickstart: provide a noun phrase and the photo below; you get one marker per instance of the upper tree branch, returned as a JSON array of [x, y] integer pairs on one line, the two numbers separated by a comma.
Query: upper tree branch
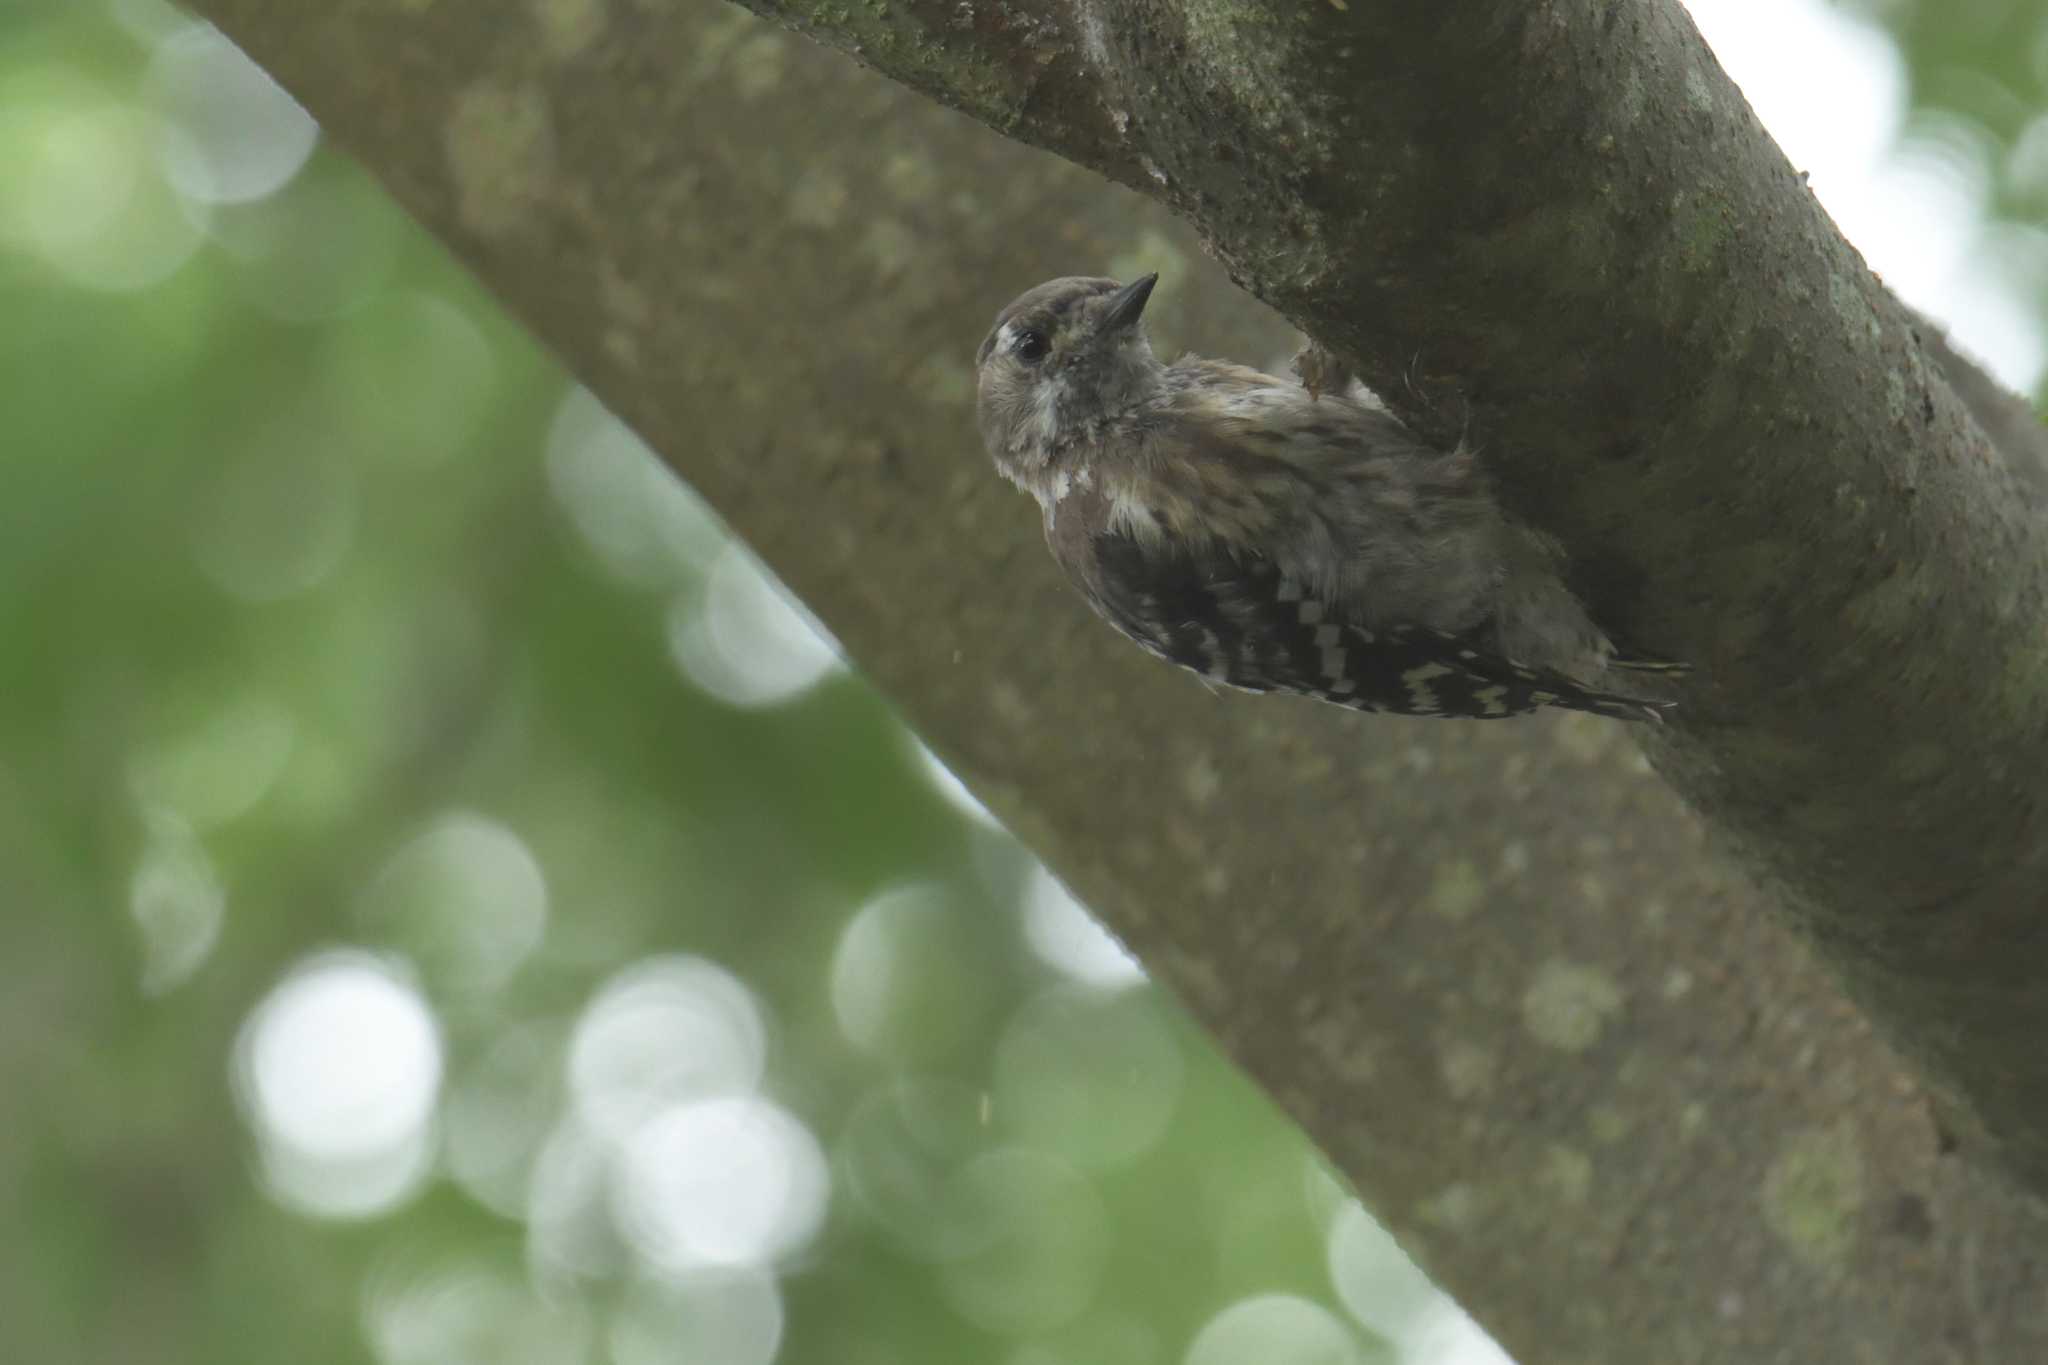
[[1559, 228]]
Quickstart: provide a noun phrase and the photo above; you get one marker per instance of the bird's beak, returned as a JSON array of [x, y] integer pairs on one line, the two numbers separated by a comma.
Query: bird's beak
[[1127, 305]]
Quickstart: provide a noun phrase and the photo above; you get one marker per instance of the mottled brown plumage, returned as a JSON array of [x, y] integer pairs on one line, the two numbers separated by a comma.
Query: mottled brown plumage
[[1227, 520]]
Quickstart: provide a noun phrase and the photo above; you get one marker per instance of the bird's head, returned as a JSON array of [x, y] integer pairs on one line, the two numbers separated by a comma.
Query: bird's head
[[1060, 360]]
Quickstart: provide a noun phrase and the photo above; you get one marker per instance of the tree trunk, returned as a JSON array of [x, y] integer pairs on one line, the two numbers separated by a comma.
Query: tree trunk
[[1573, 1061]]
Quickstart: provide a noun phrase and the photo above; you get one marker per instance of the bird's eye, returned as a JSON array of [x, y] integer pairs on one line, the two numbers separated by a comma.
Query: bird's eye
[[1030, 347]]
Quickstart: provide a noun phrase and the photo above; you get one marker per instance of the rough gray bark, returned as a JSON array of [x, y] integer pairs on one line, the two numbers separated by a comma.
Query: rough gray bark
[[1570, 1059]]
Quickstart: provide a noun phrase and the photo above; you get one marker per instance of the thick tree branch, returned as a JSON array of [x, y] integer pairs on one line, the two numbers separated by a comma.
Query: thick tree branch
[[1488, 968], [1558, 226]]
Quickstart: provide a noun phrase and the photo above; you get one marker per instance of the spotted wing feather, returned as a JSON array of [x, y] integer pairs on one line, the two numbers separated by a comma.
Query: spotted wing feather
[[1245, 624]]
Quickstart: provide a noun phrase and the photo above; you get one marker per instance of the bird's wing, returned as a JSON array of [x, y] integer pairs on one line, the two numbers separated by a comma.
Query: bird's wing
[[1243, 622]]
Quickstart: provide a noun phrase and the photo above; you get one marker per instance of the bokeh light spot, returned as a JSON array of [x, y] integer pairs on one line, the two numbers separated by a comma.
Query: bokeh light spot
[[899, 1154], [86, 194], [1041, 1239], [664, 1031], [220, 768], [500, 1112], [948, 784], [177, 902], [730, 1317], [908, 977], [1091, 1076], [735, 1181], [149, 21], [646, 527], [745, 639], [1062, 932], [1447, 1335], [570, 1232], [466, 899], [244, 137], [1278, 1329], [338, 1070], [1375, 1280], [468, 1313]]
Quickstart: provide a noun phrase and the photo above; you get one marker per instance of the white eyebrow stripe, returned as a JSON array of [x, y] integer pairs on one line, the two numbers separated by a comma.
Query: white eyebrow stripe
[[1005, 334]]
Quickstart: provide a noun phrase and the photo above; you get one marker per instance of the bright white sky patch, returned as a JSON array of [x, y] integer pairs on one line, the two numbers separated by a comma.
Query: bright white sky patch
[[1785, 53], [1831, 88]]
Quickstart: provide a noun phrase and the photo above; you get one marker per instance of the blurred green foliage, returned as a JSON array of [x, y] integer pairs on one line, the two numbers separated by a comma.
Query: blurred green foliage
[[373, 701], [351, 651]]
